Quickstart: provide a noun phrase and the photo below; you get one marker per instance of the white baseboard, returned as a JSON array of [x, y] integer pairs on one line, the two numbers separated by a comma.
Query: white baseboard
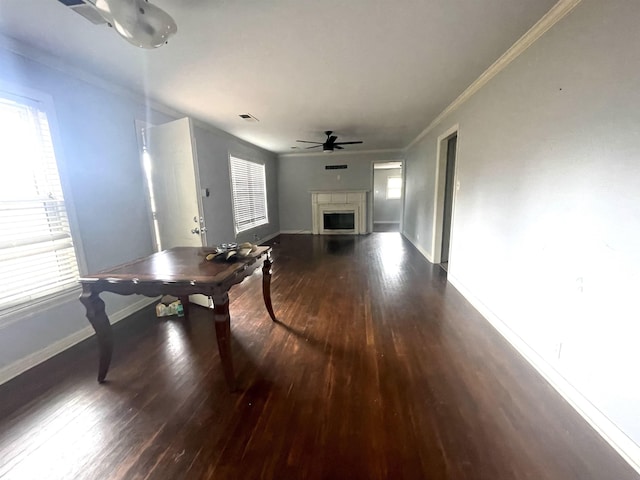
[[16, 368], [269, 237], [424, 253], [305, 232], [621, 443]]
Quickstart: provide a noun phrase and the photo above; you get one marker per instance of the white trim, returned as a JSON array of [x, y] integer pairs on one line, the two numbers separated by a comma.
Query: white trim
[[16, 368], [385, 221], [395, 151], [553, 16], [336, 201], [202, 225], [243, 158], [439, 190], [371, 211], [413, 241], [11, 45], [268, 237], [45, 102], [141, 125], [621, 443], [386, 165], [20, 366], [404, 196], [296, 232]]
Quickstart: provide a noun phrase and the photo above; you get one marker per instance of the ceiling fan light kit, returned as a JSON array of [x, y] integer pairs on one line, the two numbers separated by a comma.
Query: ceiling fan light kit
[[330, 144], [137, 21]]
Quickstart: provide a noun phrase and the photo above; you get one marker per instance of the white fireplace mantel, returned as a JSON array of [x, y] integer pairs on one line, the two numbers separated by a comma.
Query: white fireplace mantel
[[339, 201]]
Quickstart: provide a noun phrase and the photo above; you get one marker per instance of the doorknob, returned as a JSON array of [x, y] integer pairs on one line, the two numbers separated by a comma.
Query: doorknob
[[195, 231]]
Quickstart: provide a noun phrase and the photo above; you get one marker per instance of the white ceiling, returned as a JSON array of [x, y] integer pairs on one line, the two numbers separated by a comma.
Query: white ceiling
[[371, 70]]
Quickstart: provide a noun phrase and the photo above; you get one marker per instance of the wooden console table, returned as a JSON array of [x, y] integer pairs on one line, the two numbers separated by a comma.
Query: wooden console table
[[179, 271]]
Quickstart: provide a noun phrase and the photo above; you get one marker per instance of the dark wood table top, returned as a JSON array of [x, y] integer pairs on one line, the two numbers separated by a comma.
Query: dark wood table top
[[179, 271], [178, 265]]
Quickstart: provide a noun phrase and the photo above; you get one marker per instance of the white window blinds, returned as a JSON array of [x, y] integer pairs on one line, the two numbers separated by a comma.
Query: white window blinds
[[37, 257], [249, 193]]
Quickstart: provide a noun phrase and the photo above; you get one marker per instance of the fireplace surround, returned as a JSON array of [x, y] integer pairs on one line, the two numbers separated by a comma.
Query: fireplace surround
[[339, 212]]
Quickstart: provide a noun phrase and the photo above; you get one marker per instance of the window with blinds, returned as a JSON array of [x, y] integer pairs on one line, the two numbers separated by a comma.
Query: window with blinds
[[37, 257], [249, 192]]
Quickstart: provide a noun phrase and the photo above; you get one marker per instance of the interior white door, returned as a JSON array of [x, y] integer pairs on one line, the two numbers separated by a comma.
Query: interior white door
[[175, 184], [176, 187]]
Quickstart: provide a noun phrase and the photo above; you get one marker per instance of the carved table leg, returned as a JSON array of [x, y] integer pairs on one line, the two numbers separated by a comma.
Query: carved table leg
[[100, 323], [185, 306], [266, 286], [223, 336]]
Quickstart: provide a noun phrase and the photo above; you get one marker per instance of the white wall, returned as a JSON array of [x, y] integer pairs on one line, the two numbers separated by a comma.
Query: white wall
[[102, 169], [213, 148], [546, 225], [299, 174]]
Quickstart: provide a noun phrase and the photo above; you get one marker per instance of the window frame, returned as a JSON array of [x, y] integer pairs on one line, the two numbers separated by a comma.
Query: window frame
[[399, 189], [241, 158], [45, 103]]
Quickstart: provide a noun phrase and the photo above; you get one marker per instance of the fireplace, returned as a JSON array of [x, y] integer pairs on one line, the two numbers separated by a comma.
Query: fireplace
[[339, 212], [338, 221]]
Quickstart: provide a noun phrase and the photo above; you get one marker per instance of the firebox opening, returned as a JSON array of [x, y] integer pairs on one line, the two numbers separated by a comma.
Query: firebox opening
[[339, 221]]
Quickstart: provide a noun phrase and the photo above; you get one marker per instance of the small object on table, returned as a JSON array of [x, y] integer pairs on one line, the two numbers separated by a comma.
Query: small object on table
[[231, 251], [168, 299]]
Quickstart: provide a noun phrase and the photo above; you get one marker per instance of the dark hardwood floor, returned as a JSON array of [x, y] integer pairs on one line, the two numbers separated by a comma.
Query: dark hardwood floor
[[377, 370]]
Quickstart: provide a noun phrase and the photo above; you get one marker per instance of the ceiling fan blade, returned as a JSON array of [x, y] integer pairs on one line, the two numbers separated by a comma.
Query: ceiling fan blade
[[338, 147], [348, 143], [332, 139], [307, 141], [315, 146]]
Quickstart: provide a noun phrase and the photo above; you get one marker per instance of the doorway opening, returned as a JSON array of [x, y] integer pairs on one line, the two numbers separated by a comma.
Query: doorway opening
[[388, 182], [446, 186]]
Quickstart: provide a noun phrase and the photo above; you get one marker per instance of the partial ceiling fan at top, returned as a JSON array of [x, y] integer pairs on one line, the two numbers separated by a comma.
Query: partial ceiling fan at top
[[137, 21], [330, 143]]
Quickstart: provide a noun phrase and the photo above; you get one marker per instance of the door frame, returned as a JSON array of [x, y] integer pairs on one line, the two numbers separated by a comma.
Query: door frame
[[372, 192], [140, 126], [439, 191]]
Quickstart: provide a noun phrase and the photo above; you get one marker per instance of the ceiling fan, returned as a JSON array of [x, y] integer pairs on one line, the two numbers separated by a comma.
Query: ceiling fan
[[330, 143], [137, 21]]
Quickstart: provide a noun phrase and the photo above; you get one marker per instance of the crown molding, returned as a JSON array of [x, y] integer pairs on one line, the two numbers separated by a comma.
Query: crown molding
[[56, 63], [397, 152], [553, 16]]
